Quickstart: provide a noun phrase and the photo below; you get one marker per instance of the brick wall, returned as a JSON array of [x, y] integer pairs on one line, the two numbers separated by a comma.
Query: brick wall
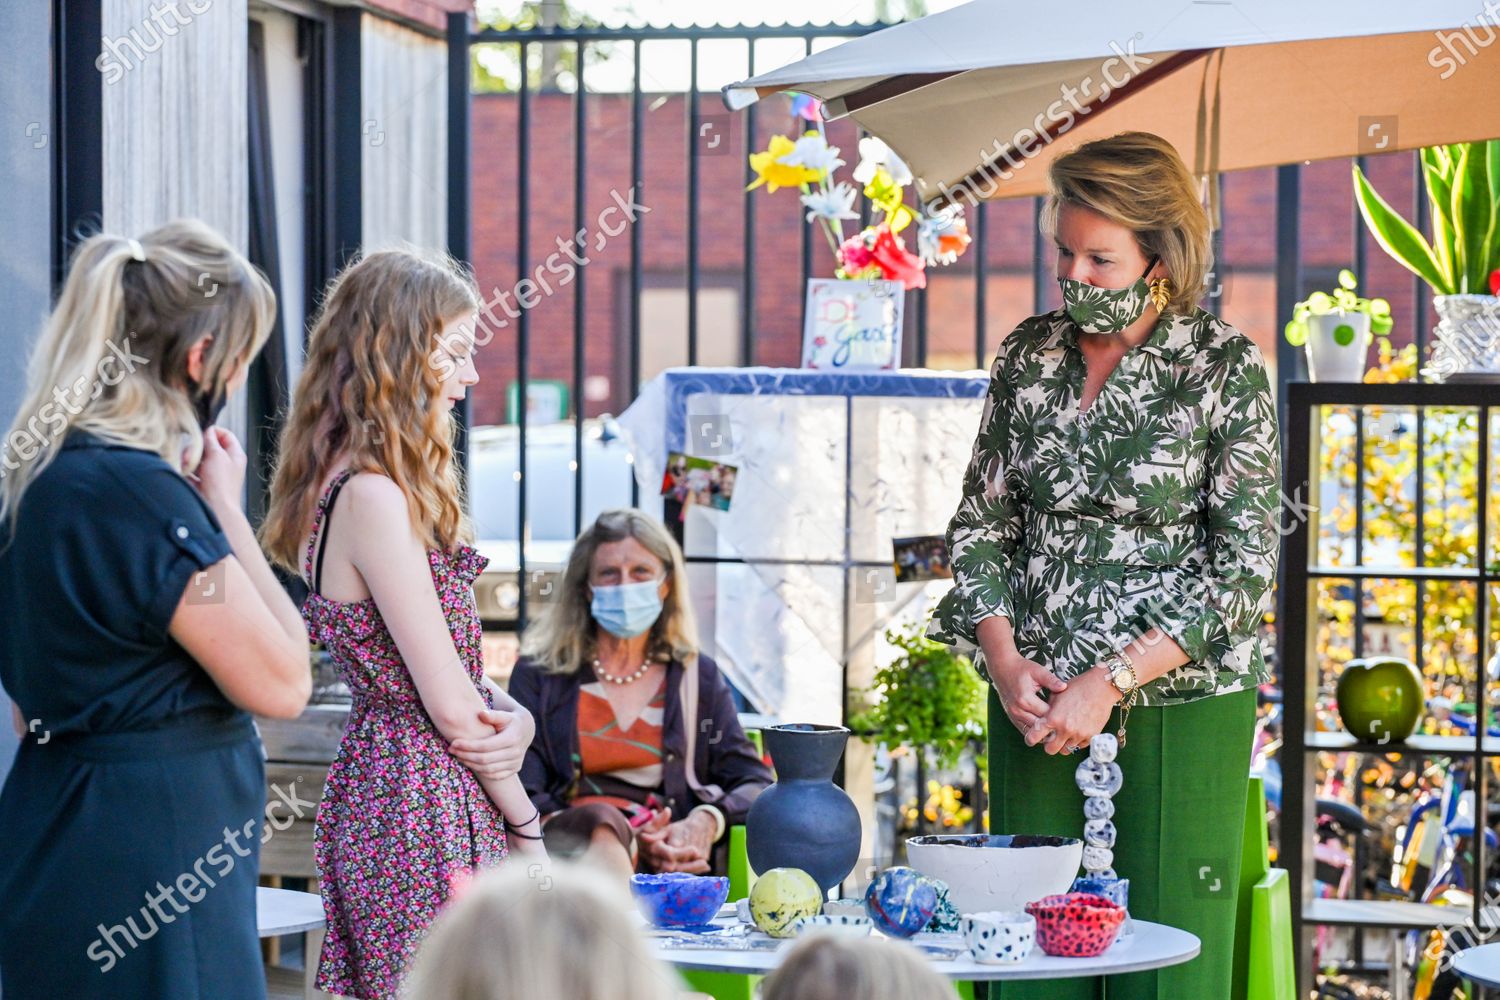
[[431, 14]]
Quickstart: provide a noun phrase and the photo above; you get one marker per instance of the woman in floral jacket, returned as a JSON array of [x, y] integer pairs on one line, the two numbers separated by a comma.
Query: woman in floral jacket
[[1114, 552]]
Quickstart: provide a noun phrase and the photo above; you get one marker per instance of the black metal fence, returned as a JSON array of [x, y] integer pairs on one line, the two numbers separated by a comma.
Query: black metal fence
[[1300, 617], [1289, 259]]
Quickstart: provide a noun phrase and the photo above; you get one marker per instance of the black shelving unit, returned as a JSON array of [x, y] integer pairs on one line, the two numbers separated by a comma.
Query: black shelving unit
[[1297, 634]]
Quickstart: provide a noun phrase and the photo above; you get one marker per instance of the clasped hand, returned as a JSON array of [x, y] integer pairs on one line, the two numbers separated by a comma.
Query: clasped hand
[[500, 754], [1075, 712], [683, 846]]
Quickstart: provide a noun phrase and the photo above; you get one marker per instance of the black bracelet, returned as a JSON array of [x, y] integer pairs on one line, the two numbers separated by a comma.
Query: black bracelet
[[513, 828]]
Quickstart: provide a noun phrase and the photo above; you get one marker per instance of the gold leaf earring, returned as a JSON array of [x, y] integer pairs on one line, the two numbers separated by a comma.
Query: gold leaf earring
[[1160, 291]]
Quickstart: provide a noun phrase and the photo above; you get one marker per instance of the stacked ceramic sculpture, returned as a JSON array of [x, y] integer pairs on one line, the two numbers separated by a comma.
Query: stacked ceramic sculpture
[[1099, 779]]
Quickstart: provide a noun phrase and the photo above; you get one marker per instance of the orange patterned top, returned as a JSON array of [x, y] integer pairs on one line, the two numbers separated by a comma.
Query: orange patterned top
[[621, 766]]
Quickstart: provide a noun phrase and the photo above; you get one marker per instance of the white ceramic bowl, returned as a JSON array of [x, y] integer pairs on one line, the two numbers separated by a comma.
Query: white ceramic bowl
[[844, 926], [997, 872], [844, 908], [998, 937]]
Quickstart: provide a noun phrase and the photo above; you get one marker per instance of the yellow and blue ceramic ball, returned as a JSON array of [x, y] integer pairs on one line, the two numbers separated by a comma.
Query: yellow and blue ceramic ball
[[780, 897]]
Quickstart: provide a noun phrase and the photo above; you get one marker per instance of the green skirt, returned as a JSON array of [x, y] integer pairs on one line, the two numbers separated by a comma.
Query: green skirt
[[1180, 818]]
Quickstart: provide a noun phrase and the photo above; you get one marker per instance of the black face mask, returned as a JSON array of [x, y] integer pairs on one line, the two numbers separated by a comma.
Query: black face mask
[[206, 406]]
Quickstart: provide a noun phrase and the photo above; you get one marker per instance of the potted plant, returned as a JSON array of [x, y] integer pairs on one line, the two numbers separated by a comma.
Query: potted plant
[[1459, 259], [1336, 328], [928, 703]]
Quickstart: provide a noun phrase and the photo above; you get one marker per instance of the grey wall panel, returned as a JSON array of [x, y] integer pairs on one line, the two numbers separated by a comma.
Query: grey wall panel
[[175, 132], [25, 252], [405, 153], [174, 115]]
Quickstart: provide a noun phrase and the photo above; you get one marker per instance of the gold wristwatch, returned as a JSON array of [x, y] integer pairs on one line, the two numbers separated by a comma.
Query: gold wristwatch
[[1121, 673]]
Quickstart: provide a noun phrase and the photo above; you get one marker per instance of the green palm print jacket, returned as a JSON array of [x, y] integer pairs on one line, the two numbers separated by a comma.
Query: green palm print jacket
[[1159, 507]]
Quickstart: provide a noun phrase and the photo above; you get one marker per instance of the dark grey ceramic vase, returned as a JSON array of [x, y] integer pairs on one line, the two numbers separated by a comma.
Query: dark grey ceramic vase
[[804, 820]]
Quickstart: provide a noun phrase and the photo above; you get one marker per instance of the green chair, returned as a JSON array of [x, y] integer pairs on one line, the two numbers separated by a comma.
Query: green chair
[[728, 985], [1263, 963]]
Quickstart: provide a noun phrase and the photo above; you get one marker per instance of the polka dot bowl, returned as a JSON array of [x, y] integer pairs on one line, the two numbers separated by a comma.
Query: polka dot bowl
[[1076, 924], [998, 937]]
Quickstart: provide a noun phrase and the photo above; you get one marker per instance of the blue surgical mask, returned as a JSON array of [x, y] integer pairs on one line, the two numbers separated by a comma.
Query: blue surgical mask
[[628, 609]]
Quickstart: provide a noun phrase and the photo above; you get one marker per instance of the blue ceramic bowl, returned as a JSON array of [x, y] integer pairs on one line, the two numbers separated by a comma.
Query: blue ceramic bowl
[[1116, 890], [679, 901], [901, 901]]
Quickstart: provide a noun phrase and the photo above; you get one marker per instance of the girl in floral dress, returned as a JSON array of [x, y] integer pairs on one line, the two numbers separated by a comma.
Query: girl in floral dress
[[366, 504]]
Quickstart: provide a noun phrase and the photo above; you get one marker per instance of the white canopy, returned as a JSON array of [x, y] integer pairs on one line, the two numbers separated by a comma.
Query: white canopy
[[985, 94]]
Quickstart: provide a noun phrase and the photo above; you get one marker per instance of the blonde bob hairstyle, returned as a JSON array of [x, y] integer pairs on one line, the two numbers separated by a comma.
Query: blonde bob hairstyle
[[553, 932], [825, 967], [368, 397], [1137, 180], [112, 359], [561, 640]]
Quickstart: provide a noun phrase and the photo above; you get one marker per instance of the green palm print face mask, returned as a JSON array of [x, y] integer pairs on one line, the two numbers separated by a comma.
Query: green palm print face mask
[[1106, 310]]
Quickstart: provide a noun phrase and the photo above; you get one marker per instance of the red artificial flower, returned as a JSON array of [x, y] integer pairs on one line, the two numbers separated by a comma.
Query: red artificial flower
[[855, 255], [895, 261], [1495, 281]]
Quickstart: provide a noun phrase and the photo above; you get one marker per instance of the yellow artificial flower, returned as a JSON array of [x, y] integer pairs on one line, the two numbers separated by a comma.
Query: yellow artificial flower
[[886, 194], [771, 172]]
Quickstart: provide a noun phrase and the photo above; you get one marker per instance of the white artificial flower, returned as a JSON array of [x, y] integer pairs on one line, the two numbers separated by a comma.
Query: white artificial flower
[[932, 228], [835, 203], [874, 153], [813, 152]]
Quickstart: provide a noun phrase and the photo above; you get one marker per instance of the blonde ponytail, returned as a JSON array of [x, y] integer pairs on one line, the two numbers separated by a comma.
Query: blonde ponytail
[[112, 358]]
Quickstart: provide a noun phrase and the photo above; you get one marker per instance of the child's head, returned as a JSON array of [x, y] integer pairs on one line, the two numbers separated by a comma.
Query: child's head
[[825, 967], [528, 931], [146, 333], [388, 357]]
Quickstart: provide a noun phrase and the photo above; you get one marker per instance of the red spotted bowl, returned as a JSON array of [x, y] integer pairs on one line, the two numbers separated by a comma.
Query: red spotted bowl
[[1076, 924]]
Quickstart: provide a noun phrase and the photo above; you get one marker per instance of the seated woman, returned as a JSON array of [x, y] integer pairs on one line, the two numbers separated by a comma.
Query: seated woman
[[609, 670]]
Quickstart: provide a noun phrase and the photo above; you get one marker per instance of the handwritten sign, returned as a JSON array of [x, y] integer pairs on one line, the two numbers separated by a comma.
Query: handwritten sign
[[852, 325]]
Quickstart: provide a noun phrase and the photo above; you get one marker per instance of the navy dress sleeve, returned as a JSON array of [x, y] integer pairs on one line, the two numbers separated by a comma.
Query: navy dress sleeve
[[173, 541]]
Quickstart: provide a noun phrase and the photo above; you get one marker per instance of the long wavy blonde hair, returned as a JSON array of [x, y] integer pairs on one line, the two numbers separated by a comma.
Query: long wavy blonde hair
[[550, 932], [1138, 180], [368, 394], [561, 639], [144, 315]]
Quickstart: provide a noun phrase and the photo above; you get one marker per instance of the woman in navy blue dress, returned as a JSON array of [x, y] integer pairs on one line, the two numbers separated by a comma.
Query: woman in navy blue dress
[[143, 626]]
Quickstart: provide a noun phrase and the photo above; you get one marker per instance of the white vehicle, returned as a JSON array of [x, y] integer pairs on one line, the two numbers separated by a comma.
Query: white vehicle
[[494, 499]]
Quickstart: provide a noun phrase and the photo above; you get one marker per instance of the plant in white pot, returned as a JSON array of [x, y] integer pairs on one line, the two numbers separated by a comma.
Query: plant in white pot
[[1336, 328], [1460, 260]]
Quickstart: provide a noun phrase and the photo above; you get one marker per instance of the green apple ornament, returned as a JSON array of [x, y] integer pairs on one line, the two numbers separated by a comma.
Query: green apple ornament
[[1380, 698]]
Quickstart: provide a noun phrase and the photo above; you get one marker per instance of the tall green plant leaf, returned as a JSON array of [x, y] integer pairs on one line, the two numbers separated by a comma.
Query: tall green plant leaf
[[1471, 217], [1440, 198], [1492, 235], [1439, 159], [1397, 237]]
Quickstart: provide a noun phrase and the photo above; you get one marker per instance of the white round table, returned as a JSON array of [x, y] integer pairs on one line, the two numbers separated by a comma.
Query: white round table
[[1151, 946], [285, 911], [1480, 965]]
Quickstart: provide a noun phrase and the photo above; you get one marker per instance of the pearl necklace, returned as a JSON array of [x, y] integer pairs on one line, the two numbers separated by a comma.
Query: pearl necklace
[[630, 678]]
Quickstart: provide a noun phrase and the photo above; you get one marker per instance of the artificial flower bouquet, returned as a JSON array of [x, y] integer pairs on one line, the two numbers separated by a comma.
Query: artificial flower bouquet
[[878, 250]]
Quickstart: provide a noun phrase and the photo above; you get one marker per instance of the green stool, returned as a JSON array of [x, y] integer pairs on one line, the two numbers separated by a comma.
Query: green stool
[[729, 985], [1263, 964]]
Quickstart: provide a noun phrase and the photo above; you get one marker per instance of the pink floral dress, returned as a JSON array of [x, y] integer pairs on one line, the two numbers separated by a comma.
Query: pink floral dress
[[400, 816]]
